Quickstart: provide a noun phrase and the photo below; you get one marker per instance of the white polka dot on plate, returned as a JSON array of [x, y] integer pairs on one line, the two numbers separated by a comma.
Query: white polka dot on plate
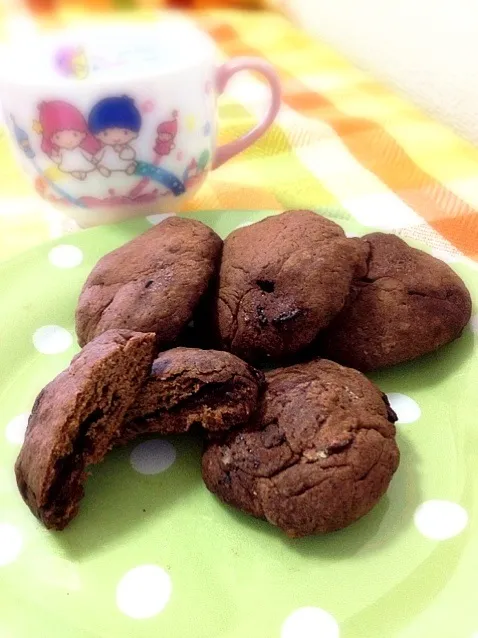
[[143, 591], [351, 234], [15, 430], [405, 407], [52, 339], [439, 520], [474, 327], [153, 457], [160, 217], [65, 256], [10, 543], [310, 622]]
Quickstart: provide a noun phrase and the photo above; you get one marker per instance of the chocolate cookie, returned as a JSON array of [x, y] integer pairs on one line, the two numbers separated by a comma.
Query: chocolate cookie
[[151, 284], [408, 304], [188, 387], [74, 419], [281, 281], [319, 455]]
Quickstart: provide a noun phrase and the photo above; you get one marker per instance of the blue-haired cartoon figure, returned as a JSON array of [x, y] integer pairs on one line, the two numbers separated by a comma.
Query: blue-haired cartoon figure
[[115, 122]]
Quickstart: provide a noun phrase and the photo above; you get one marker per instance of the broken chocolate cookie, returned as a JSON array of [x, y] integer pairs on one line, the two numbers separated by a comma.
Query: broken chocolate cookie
[[189, 387], [74, 419], [319, 455]]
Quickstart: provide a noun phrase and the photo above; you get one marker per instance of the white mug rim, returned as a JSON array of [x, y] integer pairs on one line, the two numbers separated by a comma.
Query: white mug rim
[[203, 52]]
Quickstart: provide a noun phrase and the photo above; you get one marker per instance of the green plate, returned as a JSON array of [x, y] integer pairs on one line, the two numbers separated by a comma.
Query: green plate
[[153, 554]]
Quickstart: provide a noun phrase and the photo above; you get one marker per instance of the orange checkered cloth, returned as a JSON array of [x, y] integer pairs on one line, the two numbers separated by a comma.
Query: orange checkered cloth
[[341, 139]]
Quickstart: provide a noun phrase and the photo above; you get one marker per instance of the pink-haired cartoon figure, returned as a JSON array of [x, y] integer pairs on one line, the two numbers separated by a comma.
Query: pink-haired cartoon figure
[[66, 138], [166, 133]]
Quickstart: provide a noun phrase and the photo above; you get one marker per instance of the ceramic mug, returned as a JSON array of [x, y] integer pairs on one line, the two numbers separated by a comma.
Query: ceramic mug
[[121, 121]]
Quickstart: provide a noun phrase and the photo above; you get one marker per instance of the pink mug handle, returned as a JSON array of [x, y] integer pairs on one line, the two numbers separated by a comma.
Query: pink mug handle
[[224, 74]]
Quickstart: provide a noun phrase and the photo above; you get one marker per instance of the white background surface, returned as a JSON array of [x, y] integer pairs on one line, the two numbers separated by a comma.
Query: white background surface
[[428, 49]]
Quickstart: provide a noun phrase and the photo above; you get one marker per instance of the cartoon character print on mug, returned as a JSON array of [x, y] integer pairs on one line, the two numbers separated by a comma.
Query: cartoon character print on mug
[[115, 122], [166, 134], [103, 142], [114, 138], [66, 140]]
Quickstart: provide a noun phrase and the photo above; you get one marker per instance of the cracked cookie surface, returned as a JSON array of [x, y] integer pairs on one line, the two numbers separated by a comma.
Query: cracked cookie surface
[[319, 455], [74, 419], [152, 283], [281, 281], [408, 304], [190, 387]]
